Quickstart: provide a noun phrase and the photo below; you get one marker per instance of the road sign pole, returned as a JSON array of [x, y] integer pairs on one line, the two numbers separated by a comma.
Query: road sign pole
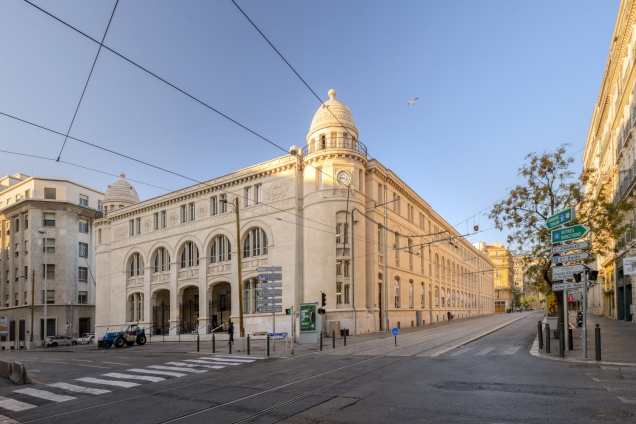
[[274, 328], [584, 344], [565, 318], [292, 330]]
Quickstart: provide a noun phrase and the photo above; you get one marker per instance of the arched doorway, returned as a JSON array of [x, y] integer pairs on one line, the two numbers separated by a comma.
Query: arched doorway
[[189, 310], [161, 312], [220, 306]]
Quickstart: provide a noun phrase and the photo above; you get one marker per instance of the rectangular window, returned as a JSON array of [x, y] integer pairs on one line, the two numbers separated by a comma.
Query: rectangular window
[[49, 245], [83, 226], [16, 299], [347, 290], [83, 250], [99, 205], [338, 233], [156, 220], [82, 274], [192, 211], [164, 221], [319, 178], [131, 224], [223, 202], [346, 233], [25, 298], [49, 219], [82, 297], [248, 196], [17, 224], [346, 268], [259, 194], [379, 238], [213, 205], [99, 236], [16, 276], [27, 194], [338, 267], [339, 293], [18, 197], [26, 221], [138, 222], [17, 249], [49, 193], [395, 201], [50, 298], [83, 200], [26, 272], [184, 213], [48, 271]]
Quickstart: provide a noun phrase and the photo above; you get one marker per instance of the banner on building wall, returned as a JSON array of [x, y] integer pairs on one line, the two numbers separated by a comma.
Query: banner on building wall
[[629, 266], [4, 325]]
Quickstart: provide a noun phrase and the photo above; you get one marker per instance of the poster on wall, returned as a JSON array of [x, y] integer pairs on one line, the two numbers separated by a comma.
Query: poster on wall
[[551, 305], [629, 266], [4, 325], [308, 317]]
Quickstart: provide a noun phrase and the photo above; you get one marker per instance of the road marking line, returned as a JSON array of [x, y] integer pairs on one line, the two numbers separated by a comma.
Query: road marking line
[[92, 366], [115, 363], [625, 400], [126, 384], [14, 405], [209, 362], [227, 359], [596, 379], [161, 367], [183, 364], [141, 370], [49, 362], [485, 351], [511, 350], [240, 356], [7, 420], [462, 351], [43, 394], [81, 360], [78, 389], [134, 377]]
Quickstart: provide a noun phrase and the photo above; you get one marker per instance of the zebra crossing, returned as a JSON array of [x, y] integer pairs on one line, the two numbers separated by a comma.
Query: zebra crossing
[[29, 397], [485, 351]]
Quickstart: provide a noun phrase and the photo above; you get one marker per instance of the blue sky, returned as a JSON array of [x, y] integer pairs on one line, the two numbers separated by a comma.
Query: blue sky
[[495, 80]]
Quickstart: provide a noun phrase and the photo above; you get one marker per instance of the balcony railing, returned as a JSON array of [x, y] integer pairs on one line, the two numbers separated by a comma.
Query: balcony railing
[[627, 180], [335, 143]]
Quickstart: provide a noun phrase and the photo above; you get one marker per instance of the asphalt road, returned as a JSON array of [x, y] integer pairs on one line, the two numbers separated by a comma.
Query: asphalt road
[[476, 370]]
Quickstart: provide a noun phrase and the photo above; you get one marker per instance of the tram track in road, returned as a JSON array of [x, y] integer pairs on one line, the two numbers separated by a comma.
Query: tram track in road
[[237, 383]]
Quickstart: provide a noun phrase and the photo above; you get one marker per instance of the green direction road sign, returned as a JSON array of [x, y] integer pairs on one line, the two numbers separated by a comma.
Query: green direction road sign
[[569, 233], [561, 218]]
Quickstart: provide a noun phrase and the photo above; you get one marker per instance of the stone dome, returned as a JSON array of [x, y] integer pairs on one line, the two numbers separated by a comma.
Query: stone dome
[[121, 192], [333, 115]]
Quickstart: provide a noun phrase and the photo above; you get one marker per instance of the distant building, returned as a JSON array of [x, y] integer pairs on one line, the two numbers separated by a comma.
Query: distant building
[[504, 275], [337, 222], [64, 211]]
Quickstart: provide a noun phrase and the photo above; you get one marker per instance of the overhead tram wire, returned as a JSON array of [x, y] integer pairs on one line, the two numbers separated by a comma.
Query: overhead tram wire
[[87, 80]]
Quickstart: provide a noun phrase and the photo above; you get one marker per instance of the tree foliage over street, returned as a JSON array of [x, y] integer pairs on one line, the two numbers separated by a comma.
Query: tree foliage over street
[[549, 187]]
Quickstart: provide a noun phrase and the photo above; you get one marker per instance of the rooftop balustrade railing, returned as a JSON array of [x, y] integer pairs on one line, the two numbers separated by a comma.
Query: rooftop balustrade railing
[[334, 143]]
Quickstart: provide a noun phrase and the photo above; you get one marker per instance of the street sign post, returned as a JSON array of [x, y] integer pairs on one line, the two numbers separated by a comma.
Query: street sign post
[[566, 272], [566, 286], [270, 309], [269, 269], [268, 285], [270, 277], [269, 300], [275, 292], [569, 247], [569, 258], [561, 218], [569, 233]]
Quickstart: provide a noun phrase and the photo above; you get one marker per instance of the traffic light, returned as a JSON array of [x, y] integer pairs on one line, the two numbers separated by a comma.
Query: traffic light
[[324, 299], [288, 311], [321, 311]]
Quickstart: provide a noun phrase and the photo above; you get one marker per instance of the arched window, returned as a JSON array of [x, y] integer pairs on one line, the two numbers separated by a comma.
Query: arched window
[[246, 297], [397, 292], [411, 294], [443, 297], [162, 260], [422, 295], [136, 265], [221, 250], [189, 255], [436, 265], [255, 243], [436, 296]]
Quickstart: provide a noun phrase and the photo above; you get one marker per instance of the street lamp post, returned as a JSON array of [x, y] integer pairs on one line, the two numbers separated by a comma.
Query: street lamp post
[[43, 231], [238, 254]]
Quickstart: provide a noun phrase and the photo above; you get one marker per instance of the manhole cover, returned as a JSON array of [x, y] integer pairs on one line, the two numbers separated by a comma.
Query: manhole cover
[[603, 412]]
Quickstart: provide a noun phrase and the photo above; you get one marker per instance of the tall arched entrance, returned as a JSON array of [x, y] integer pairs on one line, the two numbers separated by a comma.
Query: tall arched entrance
[[189, 310], [220, 306], [160, 312]]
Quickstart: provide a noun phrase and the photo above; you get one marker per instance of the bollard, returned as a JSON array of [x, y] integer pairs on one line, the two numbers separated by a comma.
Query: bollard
[[570, 340], [321, 341], [561, 341], [213, 344], [197, 343], [229, 343], [267, 344], [547, 338], [248, 344], [597, 340], [333, 339], [540, 331], [345, 337]]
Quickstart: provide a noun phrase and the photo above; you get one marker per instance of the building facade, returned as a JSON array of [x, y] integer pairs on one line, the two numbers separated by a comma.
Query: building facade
[[504, 275], [336, 221], [610, 151], [47, 253]]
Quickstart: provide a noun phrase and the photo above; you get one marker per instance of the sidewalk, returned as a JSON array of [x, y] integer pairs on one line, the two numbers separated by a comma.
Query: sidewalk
[[618, 342]]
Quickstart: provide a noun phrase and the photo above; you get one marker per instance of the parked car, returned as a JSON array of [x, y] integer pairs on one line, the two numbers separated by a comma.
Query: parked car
[[55, 341], [86, 338]]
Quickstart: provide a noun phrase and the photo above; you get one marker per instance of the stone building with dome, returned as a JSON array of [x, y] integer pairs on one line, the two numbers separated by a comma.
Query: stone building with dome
[[47, 255], [335, 221]]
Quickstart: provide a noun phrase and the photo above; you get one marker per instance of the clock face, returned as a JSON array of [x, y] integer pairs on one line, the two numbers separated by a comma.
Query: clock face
[[344, 178]]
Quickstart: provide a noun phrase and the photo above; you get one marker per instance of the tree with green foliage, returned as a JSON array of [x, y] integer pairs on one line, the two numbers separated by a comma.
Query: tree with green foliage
[[550, 186]]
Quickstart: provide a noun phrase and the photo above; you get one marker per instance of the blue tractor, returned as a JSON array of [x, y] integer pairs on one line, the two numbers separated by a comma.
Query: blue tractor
[[128, 335]]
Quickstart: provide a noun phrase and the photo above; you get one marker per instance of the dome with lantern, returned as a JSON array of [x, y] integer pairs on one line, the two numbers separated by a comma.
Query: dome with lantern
[[120, 194]]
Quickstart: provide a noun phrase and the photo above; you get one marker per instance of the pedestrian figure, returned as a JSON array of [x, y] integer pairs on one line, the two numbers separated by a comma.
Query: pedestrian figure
[[448, 314], [230, 332]]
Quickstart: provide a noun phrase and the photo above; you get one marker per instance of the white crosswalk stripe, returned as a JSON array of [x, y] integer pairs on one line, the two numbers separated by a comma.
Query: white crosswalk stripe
[[183, 364], [209, 362], [227, 359], [511, 350], [147, 371], [462, 351], [78, 389], [43, 394], [133, 377], [485, 351], [182, 369], [125, 384], [239, 357], [14, 405]]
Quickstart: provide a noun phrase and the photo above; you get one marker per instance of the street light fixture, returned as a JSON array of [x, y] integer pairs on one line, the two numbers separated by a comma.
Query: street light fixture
[[43, 232], [238, 254]]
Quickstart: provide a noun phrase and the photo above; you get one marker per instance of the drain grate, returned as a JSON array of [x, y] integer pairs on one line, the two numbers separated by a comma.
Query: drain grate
[[603, 412]]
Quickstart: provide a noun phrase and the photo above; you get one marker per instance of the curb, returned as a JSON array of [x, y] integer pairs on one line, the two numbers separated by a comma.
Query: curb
[[534, 350]]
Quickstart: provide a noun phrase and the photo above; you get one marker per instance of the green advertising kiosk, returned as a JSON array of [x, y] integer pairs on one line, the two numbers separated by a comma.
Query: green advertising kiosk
[[310, 323]]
